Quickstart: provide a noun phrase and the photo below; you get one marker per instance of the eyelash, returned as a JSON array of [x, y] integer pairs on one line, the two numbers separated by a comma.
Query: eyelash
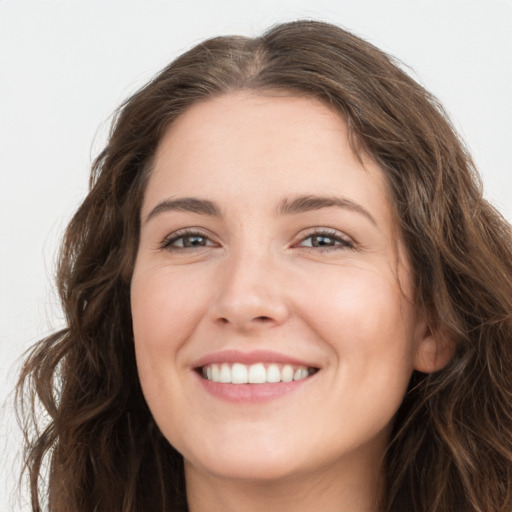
[[339, 241], [168, 242]]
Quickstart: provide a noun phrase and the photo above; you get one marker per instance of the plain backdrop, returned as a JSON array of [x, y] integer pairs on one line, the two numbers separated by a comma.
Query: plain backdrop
[[65, 66]]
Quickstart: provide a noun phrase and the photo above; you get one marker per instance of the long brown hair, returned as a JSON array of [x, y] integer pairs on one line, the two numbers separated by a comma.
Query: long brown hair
[[451, 449]]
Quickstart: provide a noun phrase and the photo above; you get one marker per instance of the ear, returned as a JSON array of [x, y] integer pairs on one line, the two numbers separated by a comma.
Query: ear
[[434, 349]]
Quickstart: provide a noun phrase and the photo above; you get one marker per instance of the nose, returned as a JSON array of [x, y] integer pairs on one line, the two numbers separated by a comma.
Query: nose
[[251, 294]]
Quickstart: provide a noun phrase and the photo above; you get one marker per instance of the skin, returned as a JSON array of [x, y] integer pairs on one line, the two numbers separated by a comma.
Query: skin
[[256, 282]]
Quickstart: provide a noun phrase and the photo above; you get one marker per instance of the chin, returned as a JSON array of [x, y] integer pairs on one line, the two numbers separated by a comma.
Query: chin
[[257, 462], [246, 469]]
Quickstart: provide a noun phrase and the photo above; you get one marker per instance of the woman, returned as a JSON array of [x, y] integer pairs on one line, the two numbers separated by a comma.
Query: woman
[[284, 290]]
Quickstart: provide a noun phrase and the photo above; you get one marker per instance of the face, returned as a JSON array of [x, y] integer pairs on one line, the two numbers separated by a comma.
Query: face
[[273, 331]]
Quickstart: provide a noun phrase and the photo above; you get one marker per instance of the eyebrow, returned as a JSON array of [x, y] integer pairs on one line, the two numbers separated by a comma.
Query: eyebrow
[[300, 204], [310, 202], [185, 204]]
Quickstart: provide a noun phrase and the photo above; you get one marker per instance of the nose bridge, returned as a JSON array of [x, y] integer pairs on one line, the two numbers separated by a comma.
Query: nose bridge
[[249, 292]]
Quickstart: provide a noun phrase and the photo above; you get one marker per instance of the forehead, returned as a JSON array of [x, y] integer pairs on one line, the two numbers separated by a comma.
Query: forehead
[[263, 146]]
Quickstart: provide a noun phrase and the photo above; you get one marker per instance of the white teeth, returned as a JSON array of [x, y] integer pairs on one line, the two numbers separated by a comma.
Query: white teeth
[[239, 374], [300, 373], [273, 373], [287, 373], [225, 374], [258, 373]]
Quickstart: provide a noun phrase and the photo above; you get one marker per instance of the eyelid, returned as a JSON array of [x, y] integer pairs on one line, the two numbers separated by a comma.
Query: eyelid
[[166, 243], [346, 242]]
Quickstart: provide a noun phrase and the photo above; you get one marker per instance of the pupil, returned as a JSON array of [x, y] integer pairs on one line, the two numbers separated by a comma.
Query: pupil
[[194, 241], [321, 241]]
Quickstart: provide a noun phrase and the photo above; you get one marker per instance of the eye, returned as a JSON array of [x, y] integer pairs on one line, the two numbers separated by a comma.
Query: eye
[[186, 240], [326, 239]]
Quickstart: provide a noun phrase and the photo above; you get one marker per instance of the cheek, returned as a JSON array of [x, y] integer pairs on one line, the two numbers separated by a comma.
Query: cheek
[[362, 314], [164, 311], [165, 306]]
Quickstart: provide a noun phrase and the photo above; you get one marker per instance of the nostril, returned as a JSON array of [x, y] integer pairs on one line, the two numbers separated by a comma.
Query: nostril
[[262, 319], [244, 322]]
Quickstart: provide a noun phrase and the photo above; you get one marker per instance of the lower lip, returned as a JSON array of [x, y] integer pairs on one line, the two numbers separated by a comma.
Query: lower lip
[[251, 393]]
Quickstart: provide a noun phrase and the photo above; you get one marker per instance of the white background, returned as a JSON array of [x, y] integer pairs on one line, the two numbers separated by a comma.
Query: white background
[[65, 66]]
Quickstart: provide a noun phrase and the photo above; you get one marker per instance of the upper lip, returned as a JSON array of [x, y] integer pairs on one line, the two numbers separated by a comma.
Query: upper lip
[[255, 356]]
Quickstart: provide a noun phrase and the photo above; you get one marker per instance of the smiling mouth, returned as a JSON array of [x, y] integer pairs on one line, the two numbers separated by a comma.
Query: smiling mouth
[[258, 373]]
